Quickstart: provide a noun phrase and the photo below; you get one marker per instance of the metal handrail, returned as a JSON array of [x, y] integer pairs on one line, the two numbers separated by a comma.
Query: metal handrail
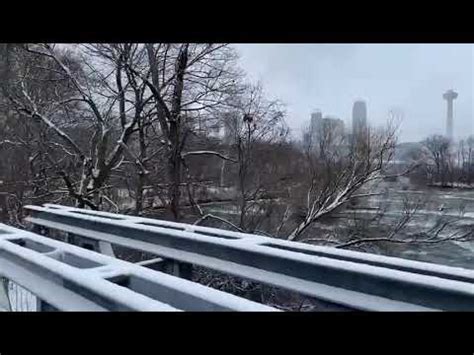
[[352, 279], [69, 278]]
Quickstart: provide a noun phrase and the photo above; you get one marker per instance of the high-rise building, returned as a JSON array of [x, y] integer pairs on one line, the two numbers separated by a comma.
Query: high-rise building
[[359, 119], [334, 125], [327, 128], [316, 118]]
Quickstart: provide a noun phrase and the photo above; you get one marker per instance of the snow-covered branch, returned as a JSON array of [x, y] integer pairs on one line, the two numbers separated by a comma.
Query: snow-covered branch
[[220, 219], [208, 152], [38, 116]]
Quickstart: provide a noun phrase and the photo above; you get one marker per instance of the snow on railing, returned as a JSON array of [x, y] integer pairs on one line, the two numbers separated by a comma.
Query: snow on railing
[[352, 279], [67, 277]]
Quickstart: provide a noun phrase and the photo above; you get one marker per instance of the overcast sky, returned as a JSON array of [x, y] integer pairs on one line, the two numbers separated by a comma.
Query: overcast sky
[[410, 77]]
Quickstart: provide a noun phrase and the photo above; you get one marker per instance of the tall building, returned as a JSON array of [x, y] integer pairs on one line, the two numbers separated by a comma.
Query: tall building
[[449, 96], [333, 125], [315, 125], [328, 128], [310, 137], [359, 118], [316, 118]]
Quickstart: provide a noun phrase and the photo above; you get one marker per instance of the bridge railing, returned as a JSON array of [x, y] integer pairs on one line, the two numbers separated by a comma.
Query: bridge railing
[[350, 279], [70, 278], [14, 298]]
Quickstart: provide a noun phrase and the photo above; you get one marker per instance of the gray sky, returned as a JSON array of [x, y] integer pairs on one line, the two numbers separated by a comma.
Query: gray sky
[[410, 77]]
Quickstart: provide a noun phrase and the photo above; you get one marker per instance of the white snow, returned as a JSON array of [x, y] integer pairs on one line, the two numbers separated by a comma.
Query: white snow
[[385, 271], [93, 278]]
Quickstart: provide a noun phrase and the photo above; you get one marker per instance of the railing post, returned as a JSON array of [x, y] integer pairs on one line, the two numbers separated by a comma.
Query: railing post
[[39, 230], [5, 304], [179, 269], [169, 266]]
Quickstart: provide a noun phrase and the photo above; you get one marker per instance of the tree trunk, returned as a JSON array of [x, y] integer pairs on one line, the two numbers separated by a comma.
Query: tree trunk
[[142, 173], [242, 179], [174, 172], [139, 194]]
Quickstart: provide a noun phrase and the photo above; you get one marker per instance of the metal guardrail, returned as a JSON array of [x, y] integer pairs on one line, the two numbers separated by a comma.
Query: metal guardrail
[[351, 279], [69, 278], [14, 298]]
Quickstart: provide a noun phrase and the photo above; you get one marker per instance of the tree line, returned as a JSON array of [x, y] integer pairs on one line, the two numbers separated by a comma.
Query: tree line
[[446, 163]]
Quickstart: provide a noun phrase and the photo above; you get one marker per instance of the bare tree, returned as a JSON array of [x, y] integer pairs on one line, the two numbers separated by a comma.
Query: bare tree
[[91, 104], [438, 156], [466, 160], [201, 78], [363, 163], [253, 127], [132, 103]]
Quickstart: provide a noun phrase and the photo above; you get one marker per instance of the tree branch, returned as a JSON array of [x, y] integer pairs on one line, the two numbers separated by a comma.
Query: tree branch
[[208, 152]]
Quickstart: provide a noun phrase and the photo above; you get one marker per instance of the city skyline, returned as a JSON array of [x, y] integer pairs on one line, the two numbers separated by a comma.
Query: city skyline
[[407, 78]]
